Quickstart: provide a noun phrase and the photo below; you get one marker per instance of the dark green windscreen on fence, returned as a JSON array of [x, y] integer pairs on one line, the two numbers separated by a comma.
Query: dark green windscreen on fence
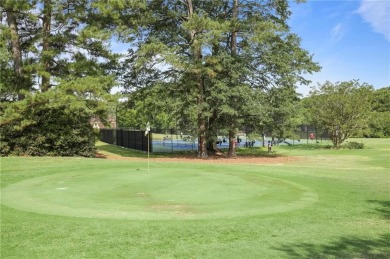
[[134, 139]]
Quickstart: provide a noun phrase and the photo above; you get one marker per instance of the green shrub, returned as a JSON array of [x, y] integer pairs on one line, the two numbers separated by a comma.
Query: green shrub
[[353, 145], [44, 126]]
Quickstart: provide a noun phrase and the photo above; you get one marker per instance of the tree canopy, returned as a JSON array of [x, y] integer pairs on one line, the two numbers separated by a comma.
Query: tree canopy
[[216, 54], [343, 109], [57, 71], [210, 65]]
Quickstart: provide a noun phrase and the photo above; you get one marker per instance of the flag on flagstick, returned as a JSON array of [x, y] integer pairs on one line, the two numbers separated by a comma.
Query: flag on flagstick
[[147, 129]]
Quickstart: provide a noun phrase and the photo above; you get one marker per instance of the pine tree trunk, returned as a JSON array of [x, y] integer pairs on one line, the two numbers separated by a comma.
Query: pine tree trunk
[[202, 147], [46, 57], [234, 32], [16, 51], [233, 46], [211, 133], [197, 55], [202, 150]]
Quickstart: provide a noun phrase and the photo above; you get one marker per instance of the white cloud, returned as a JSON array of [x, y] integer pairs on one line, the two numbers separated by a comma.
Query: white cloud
[[337, 32], [377, 14]]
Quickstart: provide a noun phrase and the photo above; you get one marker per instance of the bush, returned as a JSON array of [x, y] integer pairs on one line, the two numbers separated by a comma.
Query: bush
[[353, 145], [44, 126]]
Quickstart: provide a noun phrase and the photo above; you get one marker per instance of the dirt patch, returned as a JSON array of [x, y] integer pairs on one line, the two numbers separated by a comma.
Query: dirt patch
[[211, 159], [116, 157]]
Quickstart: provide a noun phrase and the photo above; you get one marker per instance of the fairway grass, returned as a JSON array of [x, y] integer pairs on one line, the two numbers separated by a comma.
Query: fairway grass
[[324, 204]]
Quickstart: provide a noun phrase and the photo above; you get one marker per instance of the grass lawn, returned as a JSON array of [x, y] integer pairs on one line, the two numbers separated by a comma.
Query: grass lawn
[[324, 204]]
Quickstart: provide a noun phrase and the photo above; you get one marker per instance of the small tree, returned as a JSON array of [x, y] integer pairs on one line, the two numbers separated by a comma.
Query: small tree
[[55, 122], [342, 108]]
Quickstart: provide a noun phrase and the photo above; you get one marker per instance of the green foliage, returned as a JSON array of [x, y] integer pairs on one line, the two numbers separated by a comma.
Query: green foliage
[[11, 84], [200, 62], [342, 109], [56, 40], [154, 104], [353, 145], [282, 112], [214, 58], [53, 123], [379, 123], [74, 136], [62, 48], [381, 100]]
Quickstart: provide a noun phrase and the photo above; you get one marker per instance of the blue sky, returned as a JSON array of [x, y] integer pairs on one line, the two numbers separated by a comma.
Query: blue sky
[[350, 39]]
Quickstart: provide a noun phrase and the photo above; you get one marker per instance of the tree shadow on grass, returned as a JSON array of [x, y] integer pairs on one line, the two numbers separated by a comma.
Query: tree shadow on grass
[[345, 247], [383, 207]]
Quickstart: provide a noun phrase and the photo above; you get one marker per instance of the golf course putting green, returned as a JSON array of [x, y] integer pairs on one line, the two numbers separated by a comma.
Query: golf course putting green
[[160, 194]]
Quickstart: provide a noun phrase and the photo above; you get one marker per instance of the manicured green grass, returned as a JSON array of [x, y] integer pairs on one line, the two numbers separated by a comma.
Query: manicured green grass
[[325, 204]]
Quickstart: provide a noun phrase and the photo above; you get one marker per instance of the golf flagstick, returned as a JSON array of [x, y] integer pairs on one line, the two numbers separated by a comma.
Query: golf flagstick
[[147, 133]]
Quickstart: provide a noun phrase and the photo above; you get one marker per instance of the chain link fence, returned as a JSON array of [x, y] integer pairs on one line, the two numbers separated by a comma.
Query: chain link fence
[[174, 140]]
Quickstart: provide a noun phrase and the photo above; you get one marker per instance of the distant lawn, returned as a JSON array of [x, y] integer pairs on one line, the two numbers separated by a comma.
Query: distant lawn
[[326, 204]]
